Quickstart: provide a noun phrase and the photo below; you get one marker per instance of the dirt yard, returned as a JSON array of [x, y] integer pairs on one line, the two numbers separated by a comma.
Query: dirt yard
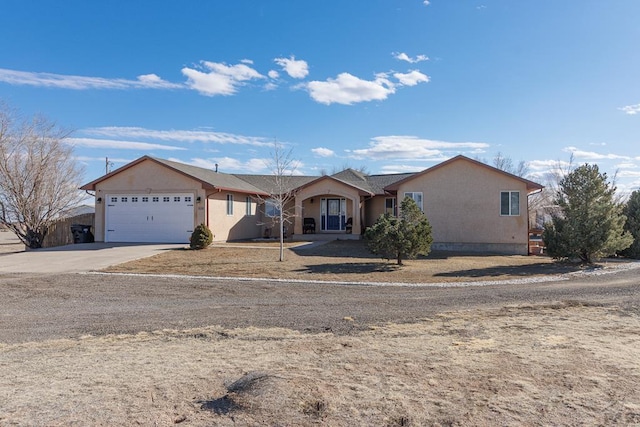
[[570, 362], [345, 261], [559, 364]]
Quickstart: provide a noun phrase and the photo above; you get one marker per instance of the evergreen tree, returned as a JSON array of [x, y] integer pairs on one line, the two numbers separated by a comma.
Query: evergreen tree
[[400, 238], [590, 223], [632, 225], [201, 237]]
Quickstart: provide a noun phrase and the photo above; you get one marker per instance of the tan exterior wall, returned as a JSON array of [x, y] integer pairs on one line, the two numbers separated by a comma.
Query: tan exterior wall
[[374, 208], [326, 188], [146, 177], [237, 226], [462, 203]]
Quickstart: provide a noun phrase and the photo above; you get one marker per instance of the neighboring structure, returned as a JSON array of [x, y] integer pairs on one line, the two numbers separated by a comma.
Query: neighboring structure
[[471, 206]]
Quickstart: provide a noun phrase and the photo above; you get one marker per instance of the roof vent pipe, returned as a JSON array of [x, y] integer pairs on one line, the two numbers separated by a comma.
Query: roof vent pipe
[[216, 168]]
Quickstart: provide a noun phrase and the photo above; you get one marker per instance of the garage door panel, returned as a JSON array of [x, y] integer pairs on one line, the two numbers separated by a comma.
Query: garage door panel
[[153, 218]]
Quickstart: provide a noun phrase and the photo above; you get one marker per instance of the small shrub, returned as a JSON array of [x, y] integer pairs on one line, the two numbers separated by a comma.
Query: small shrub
[[201, 237]]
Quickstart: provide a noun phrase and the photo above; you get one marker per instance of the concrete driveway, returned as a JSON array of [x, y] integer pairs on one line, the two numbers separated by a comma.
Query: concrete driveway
[[79, 257]]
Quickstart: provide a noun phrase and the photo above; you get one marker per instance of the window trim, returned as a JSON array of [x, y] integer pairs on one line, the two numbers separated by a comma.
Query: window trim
[[512, 209], [421, 204], [229, 204], [248, 210], [394, 206], [274, 207]]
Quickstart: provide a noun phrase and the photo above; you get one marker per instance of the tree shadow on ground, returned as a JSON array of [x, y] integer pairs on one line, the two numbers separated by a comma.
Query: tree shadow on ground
[[336, 249], [349, 268], [513, 270]]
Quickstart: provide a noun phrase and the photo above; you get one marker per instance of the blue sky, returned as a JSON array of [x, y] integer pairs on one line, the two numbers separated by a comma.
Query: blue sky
[[393, 85]]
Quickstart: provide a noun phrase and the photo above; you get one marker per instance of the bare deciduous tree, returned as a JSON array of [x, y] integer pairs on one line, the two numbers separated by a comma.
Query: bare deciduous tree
[[282, 166], [39, 177]]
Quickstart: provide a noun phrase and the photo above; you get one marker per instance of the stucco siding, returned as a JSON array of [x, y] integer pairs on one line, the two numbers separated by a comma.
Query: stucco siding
[[327, 188], [146, 177], [373, 209], [236, 226], [462, 203]]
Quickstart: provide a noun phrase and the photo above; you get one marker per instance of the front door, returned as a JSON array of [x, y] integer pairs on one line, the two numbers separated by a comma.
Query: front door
[[333, 215]]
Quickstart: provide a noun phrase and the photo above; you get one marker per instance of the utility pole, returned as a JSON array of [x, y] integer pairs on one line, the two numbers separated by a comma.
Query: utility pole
[[107, 165]]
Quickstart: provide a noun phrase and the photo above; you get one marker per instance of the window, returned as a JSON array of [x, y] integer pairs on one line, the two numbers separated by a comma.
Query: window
[[155, 199], [134, 199], [271, 209], [124, 199], [248, 207], [416, 196], [229, 204], [510, 203], [187, 199], [166, 199], [145, 199], [390, 206], [114, 199], [176, 199]]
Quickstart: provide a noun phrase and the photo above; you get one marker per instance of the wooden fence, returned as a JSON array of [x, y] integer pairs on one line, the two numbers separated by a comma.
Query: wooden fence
[[60, 232]]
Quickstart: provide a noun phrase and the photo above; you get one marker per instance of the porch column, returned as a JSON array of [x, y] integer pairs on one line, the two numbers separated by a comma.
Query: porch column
[[356, 216], [297, 228]]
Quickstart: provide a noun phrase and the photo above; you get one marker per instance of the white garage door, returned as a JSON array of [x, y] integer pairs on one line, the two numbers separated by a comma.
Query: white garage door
[[150, 218]]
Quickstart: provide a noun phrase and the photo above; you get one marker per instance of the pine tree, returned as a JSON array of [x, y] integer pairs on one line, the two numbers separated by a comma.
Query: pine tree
[[400, 238], [590, 223], [632, 224]]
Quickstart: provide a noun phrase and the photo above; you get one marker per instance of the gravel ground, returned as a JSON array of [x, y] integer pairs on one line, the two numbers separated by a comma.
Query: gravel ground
[[124, 349], [35, 308]]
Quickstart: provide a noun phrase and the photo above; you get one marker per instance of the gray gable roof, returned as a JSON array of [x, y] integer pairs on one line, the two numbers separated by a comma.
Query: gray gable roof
[[267, 183], [264, 185], [219, 180], [373, 184]]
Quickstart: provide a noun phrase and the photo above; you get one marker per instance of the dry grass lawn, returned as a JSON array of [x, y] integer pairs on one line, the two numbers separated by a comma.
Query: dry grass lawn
[[563, 364], [339, 261], [553, 364]]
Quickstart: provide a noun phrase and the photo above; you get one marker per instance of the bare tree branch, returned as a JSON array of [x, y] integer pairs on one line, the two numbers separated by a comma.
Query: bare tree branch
[[39, 177], [283, 191]]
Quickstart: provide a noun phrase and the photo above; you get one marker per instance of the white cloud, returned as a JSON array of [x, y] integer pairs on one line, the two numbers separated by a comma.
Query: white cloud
[[102, 159], [631, 109], [323, 152], [117, 144], [411, 78], [547, 165], [426, 2], [628, 174], [273, 74], [296, 68], [82, 82], [178, 135], [231, 165], [401, 56], [592, 155], [270, 86], [347, 89], [218, 78], [411, 148], [402, 168], [626, 165]]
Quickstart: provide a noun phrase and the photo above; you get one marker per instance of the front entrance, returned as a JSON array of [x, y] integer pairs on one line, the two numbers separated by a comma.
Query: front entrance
[[333, 214]]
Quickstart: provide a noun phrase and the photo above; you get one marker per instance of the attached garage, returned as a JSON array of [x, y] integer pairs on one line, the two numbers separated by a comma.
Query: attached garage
[[157, 218], [153, 200]]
